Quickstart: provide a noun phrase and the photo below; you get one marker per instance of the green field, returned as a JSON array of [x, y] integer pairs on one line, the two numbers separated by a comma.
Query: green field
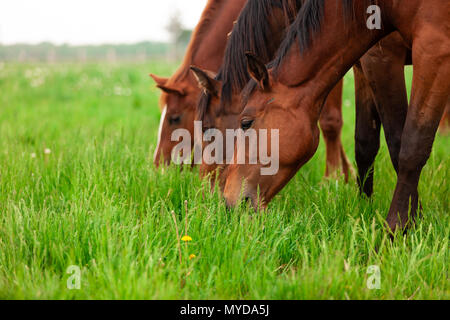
[[94, 199]]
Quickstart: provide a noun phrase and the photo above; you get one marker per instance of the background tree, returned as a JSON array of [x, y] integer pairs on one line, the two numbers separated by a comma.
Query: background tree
[[179, 35]]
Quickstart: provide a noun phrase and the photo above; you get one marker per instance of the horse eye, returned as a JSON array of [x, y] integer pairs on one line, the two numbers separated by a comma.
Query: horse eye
[[246, 124], [174, 120]]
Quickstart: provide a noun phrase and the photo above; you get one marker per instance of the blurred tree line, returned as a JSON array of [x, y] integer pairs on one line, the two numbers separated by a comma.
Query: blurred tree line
[[47, 52]]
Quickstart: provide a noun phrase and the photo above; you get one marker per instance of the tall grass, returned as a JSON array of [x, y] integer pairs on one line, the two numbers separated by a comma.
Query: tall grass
[[93, 199]]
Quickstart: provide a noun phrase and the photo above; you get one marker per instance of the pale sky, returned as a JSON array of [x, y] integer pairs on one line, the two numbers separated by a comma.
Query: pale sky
[[92, 21]]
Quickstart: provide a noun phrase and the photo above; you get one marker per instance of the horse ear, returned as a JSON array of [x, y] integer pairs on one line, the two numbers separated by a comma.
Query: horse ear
[[206, 80], [161, 84], [159, 80], [258, 71], [170, 90]]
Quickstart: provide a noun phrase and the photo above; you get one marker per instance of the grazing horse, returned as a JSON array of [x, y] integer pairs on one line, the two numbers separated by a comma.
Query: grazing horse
[[260, 29], [180, 92], [325, 41]]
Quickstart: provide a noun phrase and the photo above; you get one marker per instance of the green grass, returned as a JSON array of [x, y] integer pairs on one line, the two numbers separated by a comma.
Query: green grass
[[96, 201]]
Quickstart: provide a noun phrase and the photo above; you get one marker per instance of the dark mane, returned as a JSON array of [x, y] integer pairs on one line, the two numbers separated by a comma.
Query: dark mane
[[302, 30], [252, 33], [307, 23]]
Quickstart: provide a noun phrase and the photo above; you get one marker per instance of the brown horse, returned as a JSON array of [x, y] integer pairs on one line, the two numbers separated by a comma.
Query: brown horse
[[313, 57], [180, 92], [260, 29], [383, 70]]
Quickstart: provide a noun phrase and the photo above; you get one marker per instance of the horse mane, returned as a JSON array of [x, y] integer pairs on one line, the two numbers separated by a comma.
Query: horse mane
[[203, 28], [252, 33], [308, 22]]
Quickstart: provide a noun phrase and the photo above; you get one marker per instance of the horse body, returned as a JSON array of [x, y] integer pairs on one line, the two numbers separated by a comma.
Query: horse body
[[303, 75], [180, 92]]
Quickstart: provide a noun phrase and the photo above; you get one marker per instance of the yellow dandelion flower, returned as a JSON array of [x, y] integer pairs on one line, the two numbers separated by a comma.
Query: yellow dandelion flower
[[192, 256], [186, 238]]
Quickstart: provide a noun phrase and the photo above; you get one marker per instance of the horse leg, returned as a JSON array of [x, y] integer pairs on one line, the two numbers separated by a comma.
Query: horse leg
[[367, 131], [331, 124], [429, 97], [383, 67]]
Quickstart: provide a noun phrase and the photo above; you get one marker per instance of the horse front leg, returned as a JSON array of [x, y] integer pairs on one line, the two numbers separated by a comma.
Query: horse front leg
[[430, 95], [331, 123]]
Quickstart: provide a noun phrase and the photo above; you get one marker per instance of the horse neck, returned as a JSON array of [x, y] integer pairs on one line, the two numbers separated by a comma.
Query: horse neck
[[209, 39], [314, 72], [263, 42]]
